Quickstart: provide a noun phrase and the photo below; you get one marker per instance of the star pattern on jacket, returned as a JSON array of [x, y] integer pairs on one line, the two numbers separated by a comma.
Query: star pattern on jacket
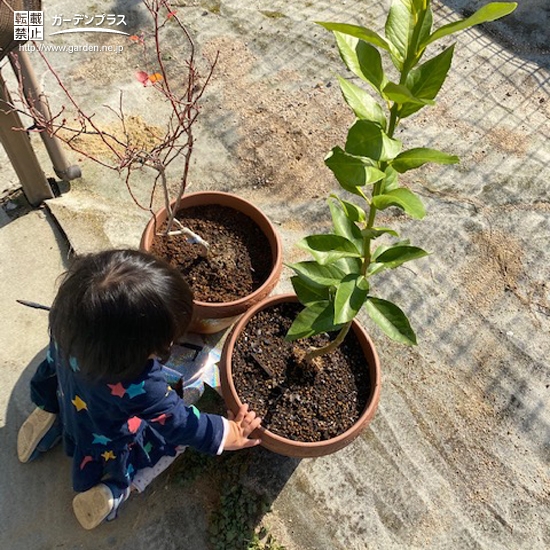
[[119, 427], [73, 363], [85, 461], [108, 455], [101, 439], [79, 404], [117, 389], [133, 424], [161, 419], [135, 389]]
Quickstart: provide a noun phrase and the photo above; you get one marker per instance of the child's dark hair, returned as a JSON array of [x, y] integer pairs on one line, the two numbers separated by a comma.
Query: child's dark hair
[[115, 309]]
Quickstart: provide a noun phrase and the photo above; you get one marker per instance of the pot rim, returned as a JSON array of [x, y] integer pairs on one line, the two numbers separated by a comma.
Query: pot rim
[[374, 369], [272, 236]]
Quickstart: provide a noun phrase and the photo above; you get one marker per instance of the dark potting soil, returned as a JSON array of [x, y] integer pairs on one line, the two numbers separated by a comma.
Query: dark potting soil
[[239, 261], [302, 404]]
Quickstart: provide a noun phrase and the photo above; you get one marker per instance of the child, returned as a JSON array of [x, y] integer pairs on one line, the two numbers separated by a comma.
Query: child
[[101, 387]]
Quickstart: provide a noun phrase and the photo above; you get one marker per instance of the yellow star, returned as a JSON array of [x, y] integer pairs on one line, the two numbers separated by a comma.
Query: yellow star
[[79, 404], [108, 455]]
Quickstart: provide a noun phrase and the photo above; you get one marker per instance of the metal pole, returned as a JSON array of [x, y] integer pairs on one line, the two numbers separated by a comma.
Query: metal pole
[[20, 152], [21, 64]]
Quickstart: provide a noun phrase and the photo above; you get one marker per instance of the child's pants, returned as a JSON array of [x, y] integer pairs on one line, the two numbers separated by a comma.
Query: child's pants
[[143, 478]]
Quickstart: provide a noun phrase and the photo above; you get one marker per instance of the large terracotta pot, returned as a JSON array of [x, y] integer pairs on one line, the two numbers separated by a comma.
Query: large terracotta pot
[[211, 317], [288, 447]]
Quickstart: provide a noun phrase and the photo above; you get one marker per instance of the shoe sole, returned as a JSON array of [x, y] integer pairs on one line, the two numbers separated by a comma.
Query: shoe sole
[[32, 431], [93, 506]]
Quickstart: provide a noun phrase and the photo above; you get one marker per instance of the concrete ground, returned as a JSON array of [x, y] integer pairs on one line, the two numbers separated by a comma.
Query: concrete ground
[[458, 453]]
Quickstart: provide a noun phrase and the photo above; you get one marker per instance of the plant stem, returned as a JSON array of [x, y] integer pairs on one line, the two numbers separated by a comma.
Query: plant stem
[[370, 224], [392, 125], [172, 210], [332, 345], [393, 121], [192, 237]]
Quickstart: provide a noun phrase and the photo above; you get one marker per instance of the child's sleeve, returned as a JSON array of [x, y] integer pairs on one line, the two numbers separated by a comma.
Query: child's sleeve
[[151, 399]]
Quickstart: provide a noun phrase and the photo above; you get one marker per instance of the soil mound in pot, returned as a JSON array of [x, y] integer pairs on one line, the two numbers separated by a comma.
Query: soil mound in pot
[[302, 404], [239, 261]]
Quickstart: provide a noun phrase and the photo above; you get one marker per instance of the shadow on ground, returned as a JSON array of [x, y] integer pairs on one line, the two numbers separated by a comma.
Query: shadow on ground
[[239, 488], [525, 32]]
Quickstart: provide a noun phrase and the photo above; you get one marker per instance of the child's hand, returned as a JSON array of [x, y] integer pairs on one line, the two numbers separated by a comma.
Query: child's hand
[[240, 427]]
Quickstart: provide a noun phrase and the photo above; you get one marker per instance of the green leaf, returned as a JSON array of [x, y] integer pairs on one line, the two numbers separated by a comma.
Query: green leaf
[[489, 12], [362, 59], [418, 5], [426, 80], [402, 95], [403, 17], [375, 232], [353, 212], [400, 26], [367, 139], [362, 103], [351, 294], [329, 248], [391, 180], [313, 319], [375, 268], [402, 198], [397, 255], [343, 225], [318, 275], [352, 171], [413, 158], [361, 33], [349, 265], [391, 320], [307, 293]]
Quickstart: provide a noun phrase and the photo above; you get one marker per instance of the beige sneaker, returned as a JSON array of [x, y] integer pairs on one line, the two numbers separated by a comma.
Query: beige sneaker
[[32, 431], [96, 504]]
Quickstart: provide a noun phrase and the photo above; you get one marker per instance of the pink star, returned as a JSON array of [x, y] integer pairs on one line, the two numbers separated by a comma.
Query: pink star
[[117, 389], [85, 461], [133, 424], [161, 419]]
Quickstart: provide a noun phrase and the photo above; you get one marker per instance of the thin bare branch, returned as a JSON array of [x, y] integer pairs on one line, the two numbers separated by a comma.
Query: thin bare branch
[[119, 149]]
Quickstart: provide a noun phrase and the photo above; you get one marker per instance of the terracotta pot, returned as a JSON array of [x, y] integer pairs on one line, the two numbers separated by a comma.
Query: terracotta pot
[[211, 317], [288, 447]]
